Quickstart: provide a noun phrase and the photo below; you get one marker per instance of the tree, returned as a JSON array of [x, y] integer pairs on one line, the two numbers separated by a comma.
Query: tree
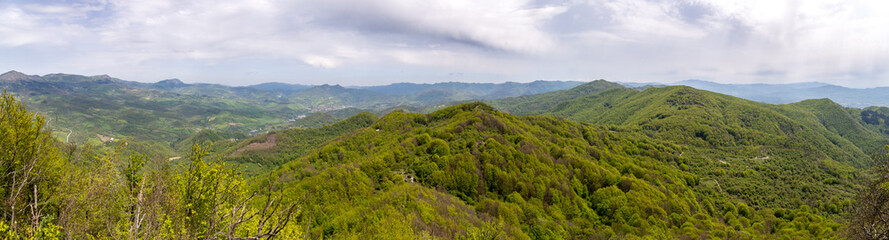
[[870, 218], [216, 204], [30, 167]]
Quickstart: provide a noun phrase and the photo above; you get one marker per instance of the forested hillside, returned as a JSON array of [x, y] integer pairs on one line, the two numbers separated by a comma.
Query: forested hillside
[[444, 120], [764, 155], [53, 190], [530, 104], [162, 117], [598, 161], [95, 110], [266, 152], [516, 178]]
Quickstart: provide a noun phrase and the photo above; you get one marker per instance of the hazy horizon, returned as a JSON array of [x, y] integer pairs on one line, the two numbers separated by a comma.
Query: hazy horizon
[[630, 84]]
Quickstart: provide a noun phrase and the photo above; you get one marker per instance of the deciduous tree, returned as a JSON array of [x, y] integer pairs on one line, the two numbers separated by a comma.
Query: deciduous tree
[[30, 167], [870, 218]]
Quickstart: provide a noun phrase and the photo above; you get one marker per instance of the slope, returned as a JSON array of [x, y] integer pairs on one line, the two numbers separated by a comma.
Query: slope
[[522, 177], [94, 110], [162, 116], [531, 104], [268, 151], [845, 123], [874, 118], [754, 152]]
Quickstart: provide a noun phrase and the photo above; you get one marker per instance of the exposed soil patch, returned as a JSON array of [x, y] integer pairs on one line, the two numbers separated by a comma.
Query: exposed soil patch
[[105, 138], [270, 142]]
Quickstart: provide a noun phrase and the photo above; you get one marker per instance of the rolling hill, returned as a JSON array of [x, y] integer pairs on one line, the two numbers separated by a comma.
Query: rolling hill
[[159, 116], [266, 152], [93, 110], [534, 103], [810, 151], [472, 171]]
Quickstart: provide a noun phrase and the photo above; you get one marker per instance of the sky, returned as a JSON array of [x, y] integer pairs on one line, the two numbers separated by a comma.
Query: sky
[[359, 42]]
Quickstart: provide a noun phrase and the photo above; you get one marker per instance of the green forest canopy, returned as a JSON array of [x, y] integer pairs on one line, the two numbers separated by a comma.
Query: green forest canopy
[[468, 171]]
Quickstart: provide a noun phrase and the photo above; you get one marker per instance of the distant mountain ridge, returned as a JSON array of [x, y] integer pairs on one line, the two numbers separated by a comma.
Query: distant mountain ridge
[[484, 90], [535, 103], [12, 76], [272, 86], [171, 110], [416, 94], [169, 84], [795, 92]]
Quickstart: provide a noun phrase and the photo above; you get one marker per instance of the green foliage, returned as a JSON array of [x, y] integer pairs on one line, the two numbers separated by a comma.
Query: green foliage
[[207, 187], [92, 110], [532, 177], [663, 163], [164, 117], [869, 218], [30, 169], [533, 104], [758, 153], [123, 194], [263, 153]]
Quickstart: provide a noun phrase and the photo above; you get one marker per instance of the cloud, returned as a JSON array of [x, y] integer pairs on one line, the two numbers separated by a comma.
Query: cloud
[[324, 34], [20, 28], [321, 62], [735, 40], [519, 40], [510, 25]]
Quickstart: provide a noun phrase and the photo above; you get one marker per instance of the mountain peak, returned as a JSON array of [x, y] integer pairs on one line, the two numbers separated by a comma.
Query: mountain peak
[[103, 76], [15, 76], [451, 111], [328, 86], [693, 81], [169, 83], [596, 86], [174, 81]]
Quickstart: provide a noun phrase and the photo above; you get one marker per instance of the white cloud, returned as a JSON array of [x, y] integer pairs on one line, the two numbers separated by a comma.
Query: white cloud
[[511, 25], [739, 41], [320, 62], [643, 21], [812, 39], [140, 31], [19, 28], [645, 40]]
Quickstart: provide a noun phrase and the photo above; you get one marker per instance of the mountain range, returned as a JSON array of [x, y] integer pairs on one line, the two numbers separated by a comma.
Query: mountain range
[[95, 109], [795, 92]]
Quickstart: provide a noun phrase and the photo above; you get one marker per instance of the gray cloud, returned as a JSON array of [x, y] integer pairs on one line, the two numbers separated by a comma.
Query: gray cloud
[[375, 42]]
